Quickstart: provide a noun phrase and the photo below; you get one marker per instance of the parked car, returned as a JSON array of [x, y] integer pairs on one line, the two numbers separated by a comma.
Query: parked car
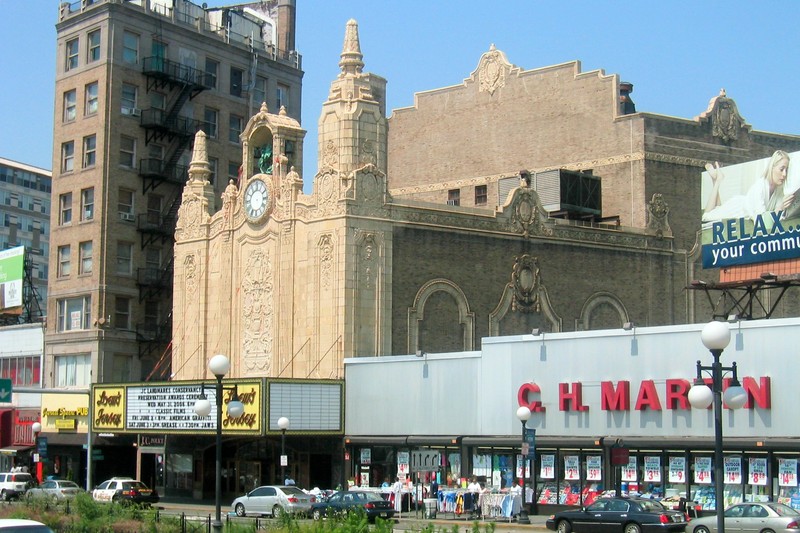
[[273, 500], [751, 516], [344, 502], [54, 489], [626, 515], [124, 490], [14, 484], [18, 525]]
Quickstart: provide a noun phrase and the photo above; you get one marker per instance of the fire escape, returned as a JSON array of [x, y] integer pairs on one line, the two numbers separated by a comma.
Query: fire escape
[[168, 126]]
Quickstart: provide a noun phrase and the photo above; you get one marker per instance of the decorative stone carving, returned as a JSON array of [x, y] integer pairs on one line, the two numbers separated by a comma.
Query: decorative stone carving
[[326, 260], [725, 118], [257, 313], [330, 155], [527, 282], [190, 274], [526, 212], [369, 261], [658, 216], [492, 70]]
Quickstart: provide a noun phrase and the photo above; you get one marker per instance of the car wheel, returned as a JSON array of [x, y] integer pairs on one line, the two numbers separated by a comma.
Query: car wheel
[[701, 529], [316, 514], [632, 528], [564, 527], [277, 510], [240, 509]]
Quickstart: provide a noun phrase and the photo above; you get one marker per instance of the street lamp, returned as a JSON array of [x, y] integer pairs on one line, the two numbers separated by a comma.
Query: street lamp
[[283, 424], [716, 336], [523, 413], [219, 366], [36, 428]]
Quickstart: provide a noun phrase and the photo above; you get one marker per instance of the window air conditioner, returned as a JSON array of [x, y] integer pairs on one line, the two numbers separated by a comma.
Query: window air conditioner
[[135, 112], [452, 202], [130, 217]]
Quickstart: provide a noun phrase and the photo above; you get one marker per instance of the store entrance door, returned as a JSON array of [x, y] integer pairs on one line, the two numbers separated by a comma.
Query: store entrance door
[[151, 470]]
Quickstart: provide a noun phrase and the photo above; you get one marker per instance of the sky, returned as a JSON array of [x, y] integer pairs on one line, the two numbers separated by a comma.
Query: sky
[[677, 53]]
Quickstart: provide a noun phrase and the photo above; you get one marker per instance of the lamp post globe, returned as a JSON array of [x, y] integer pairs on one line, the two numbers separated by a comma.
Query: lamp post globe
[[716, 335], [283, 423], [735, 397], [700, 396], [36, 427], [219, 365], [523, 414]]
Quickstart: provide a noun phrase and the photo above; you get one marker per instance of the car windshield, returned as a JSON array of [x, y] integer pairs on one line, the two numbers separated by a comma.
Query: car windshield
[[294, 491]]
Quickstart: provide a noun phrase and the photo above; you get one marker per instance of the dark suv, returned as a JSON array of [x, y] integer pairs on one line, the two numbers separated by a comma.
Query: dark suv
[[124, 490]]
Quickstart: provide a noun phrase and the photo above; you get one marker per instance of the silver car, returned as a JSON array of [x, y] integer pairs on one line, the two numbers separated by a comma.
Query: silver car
[[273, 500], [54, 489], [751, 516]]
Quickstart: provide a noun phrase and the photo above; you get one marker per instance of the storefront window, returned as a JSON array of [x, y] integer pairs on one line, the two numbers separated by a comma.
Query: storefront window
[[482, 465], [179, 472], [787, 491], [757, 487], [593, 476], [503, 471], [547, 488], [570, 482]]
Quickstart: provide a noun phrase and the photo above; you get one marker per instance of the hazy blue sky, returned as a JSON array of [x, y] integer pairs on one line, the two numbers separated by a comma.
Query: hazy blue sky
[[678, 54]]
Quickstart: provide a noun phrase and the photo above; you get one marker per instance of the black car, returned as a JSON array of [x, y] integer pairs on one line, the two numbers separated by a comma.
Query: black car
[[618, 515], [344, 502]]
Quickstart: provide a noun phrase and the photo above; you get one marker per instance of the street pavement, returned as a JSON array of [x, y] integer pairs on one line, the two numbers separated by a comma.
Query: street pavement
[[407, 521]]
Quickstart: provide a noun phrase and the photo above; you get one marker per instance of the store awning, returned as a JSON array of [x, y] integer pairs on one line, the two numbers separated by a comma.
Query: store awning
[[12, 450]]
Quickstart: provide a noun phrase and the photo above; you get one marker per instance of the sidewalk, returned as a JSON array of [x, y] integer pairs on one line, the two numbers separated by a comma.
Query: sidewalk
[[408, 520]]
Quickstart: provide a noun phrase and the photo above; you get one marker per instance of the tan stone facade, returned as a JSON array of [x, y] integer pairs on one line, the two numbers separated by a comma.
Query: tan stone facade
[[375, 261]]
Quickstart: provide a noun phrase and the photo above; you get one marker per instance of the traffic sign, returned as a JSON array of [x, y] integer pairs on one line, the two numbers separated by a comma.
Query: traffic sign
[[5, 391]]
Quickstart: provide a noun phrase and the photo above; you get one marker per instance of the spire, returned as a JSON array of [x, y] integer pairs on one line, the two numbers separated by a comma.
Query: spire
[[351, 62], [199, 167]]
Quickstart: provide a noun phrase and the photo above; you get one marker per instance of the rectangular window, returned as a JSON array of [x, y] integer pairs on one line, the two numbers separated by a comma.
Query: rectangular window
[[68, 156], [237, 76], [152, 258], [93, 51], [481, 196], [282, 97], [91, 98], [122, 312], [127, 151], [260, 91], [151, 314], [87, 204], [65, 209], [130, 48], [85, 252], [235, 128], [122, 368], [233, 171], [454, 197], [125, 205], [210, 117], [73, 370], [89, 151], [212, 70], [72, 54], [128, 103], [64, 266], [70, 105], [124, 258], [213, 163]]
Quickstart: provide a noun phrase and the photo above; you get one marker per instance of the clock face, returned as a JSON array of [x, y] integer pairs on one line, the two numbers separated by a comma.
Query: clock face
[[256, 199]]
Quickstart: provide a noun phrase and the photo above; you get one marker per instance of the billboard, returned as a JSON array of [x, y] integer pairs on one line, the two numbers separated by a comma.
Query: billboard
[[12, 263], [751, 211]]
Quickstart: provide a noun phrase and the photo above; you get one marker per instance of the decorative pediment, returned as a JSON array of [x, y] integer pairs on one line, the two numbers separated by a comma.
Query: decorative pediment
[[493, 69], [726, 122]]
